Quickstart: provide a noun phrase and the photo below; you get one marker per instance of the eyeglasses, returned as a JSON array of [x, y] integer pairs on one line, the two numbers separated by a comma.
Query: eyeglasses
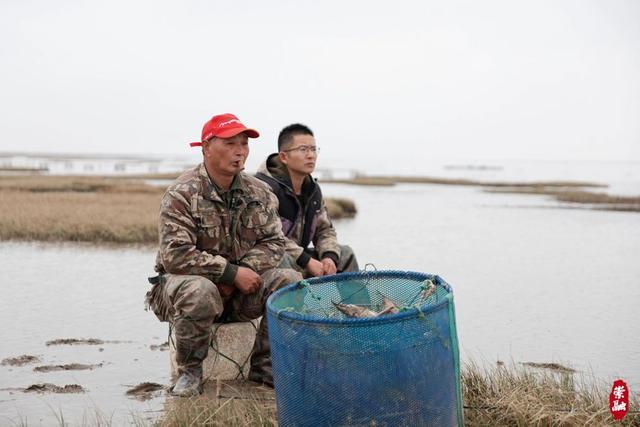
[[304, 149]]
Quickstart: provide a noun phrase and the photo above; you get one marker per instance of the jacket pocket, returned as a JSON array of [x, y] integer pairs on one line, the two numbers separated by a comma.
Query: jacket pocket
[[254, 216], [211, 225]]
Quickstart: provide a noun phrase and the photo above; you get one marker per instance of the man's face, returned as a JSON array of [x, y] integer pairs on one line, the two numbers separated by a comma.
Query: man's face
[[298, 159], [226, 156]]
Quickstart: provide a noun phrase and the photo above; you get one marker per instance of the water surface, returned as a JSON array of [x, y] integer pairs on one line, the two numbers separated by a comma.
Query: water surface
[[532, 283]]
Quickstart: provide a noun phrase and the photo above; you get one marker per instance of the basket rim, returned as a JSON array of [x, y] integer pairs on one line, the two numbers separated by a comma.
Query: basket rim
[[410, 313]]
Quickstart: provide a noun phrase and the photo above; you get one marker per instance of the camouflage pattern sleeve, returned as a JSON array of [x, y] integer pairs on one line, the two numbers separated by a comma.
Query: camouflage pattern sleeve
[[178, 236], [270, 245], [325, 239], [293, 249]]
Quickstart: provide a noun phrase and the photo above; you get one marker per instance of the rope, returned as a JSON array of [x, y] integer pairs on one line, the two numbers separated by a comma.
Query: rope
[[221, 354], [366, 283], [306, 285]]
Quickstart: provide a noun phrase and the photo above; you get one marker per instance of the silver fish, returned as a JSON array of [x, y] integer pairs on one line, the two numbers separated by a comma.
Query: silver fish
[[352, 310], [388, 306]]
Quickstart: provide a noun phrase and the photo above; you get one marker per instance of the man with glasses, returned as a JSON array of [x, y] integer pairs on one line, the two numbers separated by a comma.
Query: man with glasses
[[302, 210]]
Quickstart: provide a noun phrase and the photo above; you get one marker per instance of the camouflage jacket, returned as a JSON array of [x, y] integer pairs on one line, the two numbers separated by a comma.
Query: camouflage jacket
[[201, 234], [304, 218]]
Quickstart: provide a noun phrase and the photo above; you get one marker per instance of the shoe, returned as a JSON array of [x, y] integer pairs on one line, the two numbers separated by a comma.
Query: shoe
[[189, 383], [261, 378]]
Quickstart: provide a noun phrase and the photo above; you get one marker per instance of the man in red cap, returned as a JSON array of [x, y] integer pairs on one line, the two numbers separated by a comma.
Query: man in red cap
[[220, 241]]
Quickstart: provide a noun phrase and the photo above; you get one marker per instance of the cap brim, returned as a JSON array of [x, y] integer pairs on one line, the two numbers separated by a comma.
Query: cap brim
[[251, 133], [196, 144]]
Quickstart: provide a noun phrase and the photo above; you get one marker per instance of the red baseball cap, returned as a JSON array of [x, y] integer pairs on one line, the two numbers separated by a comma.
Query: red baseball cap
[[224, 126]]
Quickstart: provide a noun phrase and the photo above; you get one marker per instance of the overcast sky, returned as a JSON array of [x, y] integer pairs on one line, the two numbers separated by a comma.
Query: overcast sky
[[473, 79]]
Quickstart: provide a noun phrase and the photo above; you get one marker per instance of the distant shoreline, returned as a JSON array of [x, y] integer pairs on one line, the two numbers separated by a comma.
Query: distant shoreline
[[574, 193], [124, 209]]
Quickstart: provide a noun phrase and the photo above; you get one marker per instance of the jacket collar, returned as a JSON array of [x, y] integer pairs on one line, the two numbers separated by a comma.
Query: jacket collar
[[210, 190], [275, 169]]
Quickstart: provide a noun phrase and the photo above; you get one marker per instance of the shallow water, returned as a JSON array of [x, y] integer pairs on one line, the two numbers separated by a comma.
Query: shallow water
[[72, 291], [532, 283]]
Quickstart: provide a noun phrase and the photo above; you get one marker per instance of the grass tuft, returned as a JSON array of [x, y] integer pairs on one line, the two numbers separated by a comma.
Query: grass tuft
[[518, 396]]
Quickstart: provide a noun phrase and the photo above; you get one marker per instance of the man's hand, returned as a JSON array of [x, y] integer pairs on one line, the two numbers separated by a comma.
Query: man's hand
[[328, 266], [315, 268], [247, 280]]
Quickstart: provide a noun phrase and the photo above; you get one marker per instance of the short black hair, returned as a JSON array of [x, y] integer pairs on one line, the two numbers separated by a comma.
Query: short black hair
[[286, 135]]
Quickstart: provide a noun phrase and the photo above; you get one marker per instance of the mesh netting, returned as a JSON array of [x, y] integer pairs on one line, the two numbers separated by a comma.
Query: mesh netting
[[389, 369]]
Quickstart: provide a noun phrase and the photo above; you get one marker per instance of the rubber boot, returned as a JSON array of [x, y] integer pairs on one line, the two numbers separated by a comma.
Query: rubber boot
[[189, 383]]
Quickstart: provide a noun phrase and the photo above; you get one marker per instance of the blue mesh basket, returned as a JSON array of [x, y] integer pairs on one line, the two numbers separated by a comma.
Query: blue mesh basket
[[392, 369]]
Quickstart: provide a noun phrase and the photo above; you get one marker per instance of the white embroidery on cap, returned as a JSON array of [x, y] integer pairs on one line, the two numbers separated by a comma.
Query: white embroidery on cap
[[229, 122]]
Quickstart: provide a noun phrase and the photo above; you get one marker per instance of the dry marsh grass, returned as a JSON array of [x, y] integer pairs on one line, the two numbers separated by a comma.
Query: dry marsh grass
[[500, 396], [79, 217], [392, 180], [516, 396], [79, 184], [577, 197], [90, 209], [570, 192], [232, 412], [340, 208]]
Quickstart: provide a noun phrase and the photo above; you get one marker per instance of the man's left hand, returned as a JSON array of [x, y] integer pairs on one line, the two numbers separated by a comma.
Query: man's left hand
[[328, 266]]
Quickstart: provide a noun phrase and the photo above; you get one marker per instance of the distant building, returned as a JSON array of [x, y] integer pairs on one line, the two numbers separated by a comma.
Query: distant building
[[80, 164]]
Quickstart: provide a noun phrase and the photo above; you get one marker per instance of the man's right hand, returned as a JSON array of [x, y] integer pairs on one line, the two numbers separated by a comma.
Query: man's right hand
[[315, 268], [247, 280]]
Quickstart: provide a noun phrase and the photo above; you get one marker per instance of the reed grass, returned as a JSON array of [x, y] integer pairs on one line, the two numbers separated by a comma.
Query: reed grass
[[90, 209], [75, 184], [392, 180], [577, 197], [519, 396], [501, 396], [504, 395], [231, 412], [79, 217]]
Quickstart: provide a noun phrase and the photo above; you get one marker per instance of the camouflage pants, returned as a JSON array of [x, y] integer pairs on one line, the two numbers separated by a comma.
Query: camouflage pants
[[261, 355], [346, 263], [193, 303]]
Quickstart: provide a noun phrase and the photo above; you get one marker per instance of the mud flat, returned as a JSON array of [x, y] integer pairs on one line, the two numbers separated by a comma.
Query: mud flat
[[145, 390], [572, 194], [82, 341], [67, 367], [52, 388], [25, 359], [160, 347]]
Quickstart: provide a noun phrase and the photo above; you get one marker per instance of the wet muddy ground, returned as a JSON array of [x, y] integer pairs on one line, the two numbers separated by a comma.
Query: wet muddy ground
[[85, 325], [146, 390], [25, 359], [67, 367], [52, 388]]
